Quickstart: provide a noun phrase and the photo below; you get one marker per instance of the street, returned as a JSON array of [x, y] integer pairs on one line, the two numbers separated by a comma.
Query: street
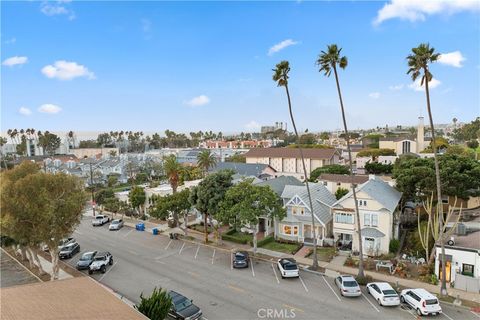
[[204, 274]]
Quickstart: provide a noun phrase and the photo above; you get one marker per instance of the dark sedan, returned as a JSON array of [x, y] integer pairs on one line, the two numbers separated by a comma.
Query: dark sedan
[[86, 260], [240, 259], [69, 250], [183, 308]]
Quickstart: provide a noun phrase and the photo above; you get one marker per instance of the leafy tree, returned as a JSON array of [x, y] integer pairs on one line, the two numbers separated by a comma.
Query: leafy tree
[[375, 153], [156, 306], [190, 173], [21, 148], [137, 198], [112, 204], [104, 139], [49, 142], [103, 194], [207, 196], [281, 76], [236, 158], [472, 144], [307, 138], [352, 135], [331, 168], [470, 131], [84, 144], [247, 203], [328, 61], [112, 180], [176, 203], [324, 136], [340, 193], [172, 170], [378, 168], [206, 160]]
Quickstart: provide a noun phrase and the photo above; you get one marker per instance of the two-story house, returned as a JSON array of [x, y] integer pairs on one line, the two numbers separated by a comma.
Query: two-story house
[[297, 225], [377, 204]]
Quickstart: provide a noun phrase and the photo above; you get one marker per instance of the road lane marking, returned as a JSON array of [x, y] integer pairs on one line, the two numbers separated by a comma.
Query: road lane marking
[[125, 235], [181, 249], [293, 308], [76, 231], [275, 273], [159, 261], [132, 252], [303, 283], [236, 288], [446, 315], [168, 245], [213, 256], [475, 314], [251, 264], [328, 284], [231, 261], [196, 253], [374, 307], [107, 271]]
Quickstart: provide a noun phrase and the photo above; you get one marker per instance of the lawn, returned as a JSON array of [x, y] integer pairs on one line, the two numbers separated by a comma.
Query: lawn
[[200, 228], [238, 237], [281, 247], [323, 253]]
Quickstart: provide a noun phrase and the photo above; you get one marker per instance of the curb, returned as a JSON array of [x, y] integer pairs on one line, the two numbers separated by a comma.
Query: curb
[[305, 268]]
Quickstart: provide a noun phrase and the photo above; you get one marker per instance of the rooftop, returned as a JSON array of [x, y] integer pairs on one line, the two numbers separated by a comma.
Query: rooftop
[[343, 178], [291, 153]]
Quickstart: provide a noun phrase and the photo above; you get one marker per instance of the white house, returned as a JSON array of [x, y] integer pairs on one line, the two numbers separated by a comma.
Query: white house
[[377, 204]]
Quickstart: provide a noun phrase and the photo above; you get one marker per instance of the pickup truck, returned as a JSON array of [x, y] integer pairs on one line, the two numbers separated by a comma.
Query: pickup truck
[[100, 220], [100, 262]]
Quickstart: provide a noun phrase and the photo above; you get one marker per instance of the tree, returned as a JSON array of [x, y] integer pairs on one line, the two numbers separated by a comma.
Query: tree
[[112, 180], [375, 153], [378, 168], [418, 63], [236, 158], [325, 136], [331, 168], [280, 76], [49, 142], [468, 132], [207, 196], [206, 160], [172, 169], [328, 61], [156, 306], [340, 193], [176, 204], [246, 203], [307, 138], [137, 198], [103, 195], [472, 144]]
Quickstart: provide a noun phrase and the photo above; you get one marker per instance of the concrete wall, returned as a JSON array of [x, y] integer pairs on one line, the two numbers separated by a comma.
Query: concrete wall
[[459, 257]]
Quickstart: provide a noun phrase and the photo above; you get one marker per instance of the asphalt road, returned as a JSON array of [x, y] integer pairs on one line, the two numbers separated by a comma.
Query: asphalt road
[[204, 274]]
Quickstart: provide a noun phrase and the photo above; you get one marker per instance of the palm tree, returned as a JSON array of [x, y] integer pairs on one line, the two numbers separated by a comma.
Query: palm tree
[[280, 76], [418, 63], [172, 170], [328, 61], [206, 160]]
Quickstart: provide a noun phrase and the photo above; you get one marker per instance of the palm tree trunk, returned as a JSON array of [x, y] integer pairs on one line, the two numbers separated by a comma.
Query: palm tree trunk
[[352, 182], [443, 290], [315, 261]]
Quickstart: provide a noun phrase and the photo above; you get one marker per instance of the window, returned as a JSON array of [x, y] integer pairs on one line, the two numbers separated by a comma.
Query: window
[[366, 219], [374, 220], [289, 230], [362, 203], [298, 211], [467, 270], [342, 217], [370, 219]]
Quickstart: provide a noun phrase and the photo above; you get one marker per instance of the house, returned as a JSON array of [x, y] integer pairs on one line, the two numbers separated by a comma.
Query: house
[[258, 170], [378, 205], [287, 161], [335, 181], [297, 225], [408, 143]]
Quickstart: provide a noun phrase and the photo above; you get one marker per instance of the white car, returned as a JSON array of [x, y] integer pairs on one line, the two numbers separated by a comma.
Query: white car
[[348, 286], [383, 293], [288, 268], [100, 262], [421, 301], [116, 224], [100, 220]]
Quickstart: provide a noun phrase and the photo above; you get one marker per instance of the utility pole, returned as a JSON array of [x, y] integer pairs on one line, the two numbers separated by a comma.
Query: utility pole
[[93, 189]]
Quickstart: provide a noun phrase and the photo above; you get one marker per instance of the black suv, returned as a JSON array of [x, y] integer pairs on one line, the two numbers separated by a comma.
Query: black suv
[[183, 308], [240, 259]]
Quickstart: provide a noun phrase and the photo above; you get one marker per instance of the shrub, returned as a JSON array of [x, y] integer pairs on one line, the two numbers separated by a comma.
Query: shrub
[[363, 280], [237, 237], [156, 306], [265, 240], [394, 246]]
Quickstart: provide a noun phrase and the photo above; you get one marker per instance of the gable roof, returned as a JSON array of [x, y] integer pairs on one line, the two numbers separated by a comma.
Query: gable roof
[[343, 178], [278, 184], [244, 169], [291, 153]]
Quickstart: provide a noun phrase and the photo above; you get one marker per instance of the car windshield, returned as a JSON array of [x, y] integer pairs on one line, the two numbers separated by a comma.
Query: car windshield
[[99, 258], [240, 256], [431, 301], [389, 292], [350, 283], [182, 304], [67, 248], [115, 222], [87, 256], [99, 217], [290, 266]]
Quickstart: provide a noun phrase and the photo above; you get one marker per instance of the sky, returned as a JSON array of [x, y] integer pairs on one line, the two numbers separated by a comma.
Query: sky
[[188, 66]]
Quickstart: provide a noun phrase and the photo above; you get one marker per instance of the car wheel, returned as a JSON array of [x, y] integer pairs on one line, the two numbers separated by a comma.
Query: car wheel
[[110, 262], [379, 301], [90, 271], [104, 269], [419, 312], [402, 299]]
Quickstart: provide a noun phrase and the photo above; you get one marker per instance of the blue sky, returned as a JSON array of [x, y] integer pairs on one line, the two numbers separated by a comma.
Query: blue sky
[[188, 66]]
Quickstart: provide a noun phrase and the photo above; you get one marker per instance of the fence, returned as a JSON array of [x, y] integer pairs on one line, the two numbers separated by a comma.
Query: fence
[[467, 283]]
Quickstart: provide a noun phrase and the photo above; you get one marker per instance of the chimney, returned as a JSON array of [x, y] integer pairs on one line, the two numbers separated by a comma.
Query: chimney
[[420, 135]]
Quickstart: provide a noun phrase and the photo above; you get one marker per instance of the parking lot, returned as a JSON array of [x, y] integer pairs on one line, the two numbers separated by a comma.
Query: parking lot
[[205, 274]]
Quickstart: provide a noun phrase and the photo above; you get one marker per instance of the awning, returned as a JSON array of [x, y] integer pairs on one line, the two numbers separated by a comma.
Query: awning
[[372, 233]]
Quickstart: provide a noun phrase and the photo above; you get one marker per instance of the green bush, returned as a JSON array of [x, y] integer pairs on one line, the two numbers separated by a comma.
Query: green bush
[[394, 246], [265, 240], [156, 306], [363, 280], [237, 237]]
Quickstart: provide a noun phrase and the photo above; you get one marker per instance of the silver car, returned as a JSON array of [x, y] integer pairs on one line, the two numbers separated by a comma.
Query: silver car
[[116, 224], [348, 286]]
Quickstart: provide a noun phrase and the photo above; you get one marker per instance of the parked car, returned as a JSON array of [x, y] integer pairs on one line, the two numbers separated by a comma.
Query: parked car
[[348, 286], [288, 268], [86, 260], [183, 308], [100, 262], [100, 220], [240, 259], [69, 250], [421, 301], [61, 244], [116, 224], [383, 293]]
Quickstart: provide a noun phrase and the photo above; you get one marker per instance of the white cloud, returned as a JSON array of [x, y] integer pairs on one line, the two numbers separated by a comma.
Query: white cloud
[[453, 59], [49, 108], [25, 111], [374, 95], [201, 100], [51, 8], [396, 87], [13, 61], [65, 70], [252, 125], [431, 85], [415, 10], [282, 45]]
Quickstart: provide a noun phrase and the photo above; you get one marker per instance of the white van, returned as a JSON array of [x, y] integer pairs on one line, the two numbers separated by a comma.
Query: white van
[[421, 301]]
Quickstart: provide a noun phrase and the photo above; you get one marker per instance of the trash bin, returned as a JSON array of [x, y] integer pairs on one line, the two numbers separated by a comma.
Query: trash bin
[[140, 226], [155, 231]]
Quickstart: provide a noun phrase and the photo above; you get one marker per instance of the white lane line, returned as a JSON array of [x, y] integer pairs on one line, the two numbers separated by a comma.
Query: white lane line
[[251, 263], [328, 284], [231, 261], [132, 252], [213, 256], [475, 314], [275, 273], [196, 253], [373, 306], [76, 231], [107, 271], [446, 315], [303, 283], [168, 245], [125, 235], [181, 249]]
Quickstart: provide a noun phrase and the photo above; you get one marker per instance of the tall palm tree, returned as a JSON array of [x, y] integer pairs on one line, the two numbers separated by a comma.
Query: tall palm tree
[[418, 63], [328, 61], [172, 170], [280, 76], [206, 160]]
